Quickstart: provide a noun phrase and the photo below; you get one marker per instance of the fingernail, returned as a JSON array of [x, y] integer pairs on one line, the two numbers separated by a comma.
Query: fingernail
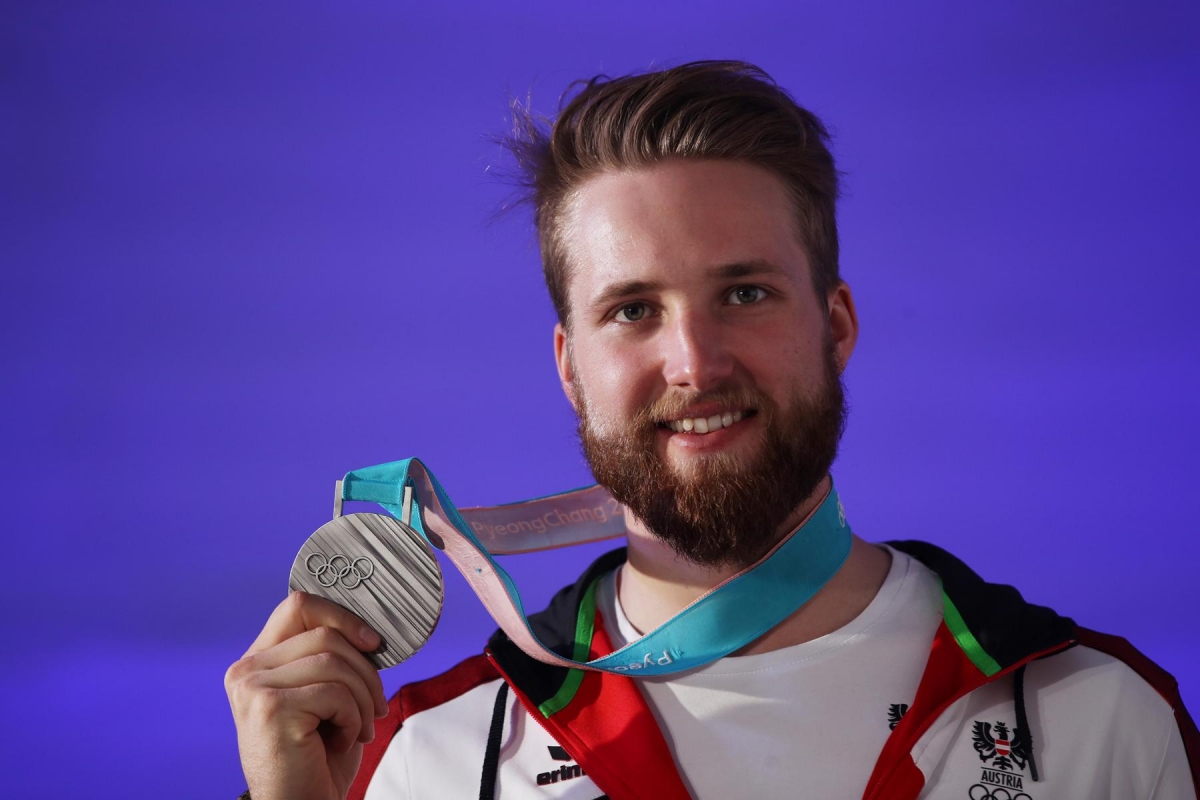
[[369, 637]]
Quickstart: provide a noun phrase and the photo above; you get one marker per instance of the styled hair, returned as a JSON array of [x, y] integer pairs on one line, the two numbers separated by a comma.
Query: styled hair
[[704, 110]]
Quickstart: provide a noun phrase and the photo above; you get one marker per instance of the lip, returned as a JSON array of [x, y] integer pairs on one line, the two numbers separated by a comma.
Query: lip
[[709, 410]]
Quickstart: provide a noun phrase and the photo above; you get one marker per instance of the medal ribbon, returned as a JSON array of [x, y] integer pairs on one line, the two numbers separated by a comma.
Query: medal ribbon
[[723, 620]]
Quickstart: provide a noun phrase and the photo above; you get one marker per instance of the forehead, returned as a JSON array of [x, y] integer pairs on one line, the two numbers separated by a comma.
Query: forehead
[[677, 220]]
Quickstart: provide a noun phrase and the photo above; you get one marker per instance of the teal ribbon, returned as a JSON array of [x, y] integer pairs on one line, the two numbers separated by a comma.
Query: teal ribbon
[[720, 622]]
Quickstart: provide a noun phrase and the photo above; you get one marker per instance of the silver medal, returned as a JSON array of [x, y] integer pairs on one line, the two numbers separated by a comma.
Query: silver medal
[[381, 569]]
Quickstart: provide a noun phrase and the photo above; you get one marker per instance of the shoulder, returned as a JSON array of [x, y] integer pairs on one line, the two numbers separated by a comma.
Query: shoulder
[[1109, 685], [1093, 724], [1113, 684], [1101, 686], [1098, 714]]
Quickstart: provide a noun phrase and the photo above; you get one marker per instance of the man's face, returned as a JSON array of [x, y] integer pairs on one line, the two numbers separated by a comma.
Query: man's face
[[703, 367]]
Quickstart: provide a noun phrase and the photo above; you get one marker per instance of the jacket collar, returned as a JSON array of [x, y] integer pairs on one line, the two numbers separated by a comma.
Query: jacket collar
[[990, 622]]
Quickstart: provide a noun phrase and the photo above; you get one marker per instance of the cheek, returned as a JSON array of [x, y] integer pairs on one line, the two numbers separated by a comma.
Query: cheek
[[784, 359], [617, 382]]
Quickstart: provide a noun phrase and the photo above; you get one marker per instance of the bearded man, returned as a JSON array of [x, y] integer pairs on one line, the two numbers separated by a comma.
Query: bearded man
[[687, 227]]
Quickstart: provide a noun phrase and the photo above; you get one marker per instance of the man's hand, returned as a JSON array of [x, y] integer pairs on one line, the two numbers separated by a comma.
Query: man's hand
[[305, 699]]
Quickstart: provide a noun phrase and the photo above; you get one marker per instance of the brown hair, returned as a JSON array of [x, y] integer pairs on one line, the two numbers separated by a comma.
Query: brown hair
[[703, 109]]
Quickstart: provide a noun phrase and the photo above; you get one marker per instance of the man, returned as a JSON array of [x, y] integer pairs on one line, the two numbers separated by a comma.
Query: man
[[688, 236]]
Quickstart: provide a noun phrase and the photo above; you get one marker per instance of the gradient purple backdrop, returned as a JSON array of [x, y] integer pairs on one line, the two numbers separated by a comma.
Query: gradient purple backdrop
[[247, 247]]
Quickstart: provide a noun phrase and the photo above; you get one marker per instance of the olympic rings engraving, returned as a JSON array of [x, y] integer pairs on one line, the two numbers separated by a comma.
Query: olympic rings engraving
[[339, 569]]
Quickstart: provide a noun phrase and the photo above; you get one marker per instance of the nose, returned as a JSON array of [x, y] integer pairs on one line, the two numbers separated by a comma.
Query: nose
[[697, 353]]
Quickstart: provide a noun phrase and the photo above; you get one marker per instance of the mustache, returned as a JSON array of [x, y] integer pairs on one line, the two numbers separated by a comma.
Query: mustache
[[674, 405]]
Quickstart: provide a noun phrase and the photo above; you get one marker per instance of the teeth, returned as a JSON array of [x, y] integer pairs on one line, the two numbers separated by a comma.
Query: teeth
[[706, 424]]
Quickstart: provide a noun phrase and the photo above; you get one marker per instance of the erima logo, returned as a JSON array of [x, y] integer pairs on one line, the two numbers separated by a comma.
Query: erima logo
[[564, 773], [648, 660]]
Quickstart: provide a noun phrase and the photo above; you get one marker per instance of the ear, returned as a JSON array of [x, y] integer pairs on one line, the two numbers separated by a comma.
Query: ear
[[843, 323], [562, 357]]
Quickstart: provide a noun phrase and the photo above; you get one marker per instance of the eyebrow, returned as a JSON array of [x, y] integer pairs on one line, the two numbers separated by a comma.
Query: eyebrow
[[742, 269], [738, 269]]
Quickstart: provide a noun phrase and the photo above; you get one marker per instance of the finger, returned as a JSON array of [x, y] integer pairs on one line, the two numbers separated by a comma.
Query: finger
[[325, 640], [323, 669], [302, 611], [337, 716]]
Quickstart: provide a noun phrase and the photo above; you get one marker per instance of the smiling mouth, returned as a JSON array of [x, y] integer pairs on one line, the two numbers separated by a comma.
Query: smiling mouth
[[701, 425]]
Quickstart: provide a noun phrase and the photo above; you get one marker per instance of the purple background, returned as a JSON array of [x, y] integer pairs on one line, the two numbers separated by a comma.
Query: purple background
[[246, 247]]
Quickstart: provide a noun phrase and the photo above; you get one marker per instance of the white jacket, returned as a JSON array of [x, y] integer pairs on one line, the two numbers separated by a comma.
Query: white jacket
[[1105, 721]]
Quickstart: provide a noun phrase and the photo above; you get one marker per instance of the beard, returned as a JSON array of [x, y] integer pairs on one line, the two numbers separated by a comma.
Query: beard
[[723, 511]]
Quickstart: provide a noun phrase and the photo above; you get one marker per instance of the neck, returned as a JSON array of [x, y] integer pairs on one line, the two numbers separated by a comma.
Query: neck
[[656, 583]]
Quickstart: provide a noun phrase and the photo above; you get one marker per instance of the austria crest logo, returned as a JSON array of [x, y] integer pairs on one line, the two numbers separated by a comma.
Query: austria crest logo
[[1000, 746], [1004, 752]]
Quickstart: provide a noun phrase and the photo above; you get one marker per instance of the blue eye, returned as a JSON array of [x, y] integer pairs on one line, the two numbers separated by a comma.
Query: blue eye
[[745, 295], [634, 312]]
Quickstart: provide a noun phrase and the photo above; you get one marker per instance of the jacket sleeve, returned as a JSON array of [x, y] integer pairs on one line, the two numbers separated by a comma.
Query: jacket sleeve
[[1175, 774]]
